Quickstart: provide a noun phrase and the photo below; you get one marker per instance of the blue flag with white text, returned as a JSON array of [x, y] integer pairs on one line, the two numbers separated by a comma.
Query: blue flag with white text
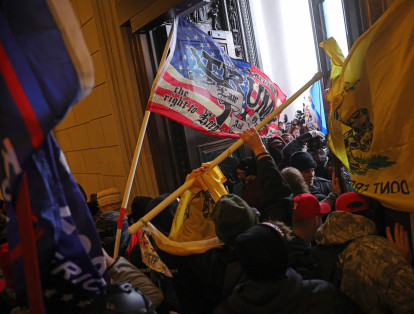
[[45, 68]]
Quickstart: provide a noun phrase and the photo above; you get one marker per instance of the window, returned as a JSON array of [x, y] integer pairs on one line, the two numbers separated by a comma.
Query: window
[[340, 19]]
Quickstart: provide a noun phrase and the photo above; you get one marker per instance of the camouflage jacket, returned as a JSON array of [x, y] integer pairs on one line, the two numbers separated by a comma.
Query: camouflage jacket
[[374, 272]]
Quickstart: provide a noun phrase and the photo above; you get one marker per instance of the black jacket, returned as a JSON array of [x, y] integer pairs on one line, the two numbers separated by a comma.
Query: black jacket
[[302, 259], [289, 295], [321, 187], [277, 202]]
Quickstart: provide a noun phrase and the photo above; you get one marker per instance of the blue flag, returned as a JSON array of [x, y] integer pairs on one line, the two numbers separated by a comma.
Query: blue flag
[[317, 105], [45, 68]]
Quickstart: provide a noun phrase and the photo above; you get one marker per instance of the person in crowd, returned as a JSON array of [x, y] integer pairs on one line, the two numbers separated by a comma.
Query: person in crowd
[[277, 202], [287, 137], [282, 127], [295, 180], [373, 272], [120, 297], [273, 287], [203, 280], [275, 147], [138, 207], [106, 226], [120, 269], [110, 199], [307, 218], [94, 208], [251, 188], [320, 187], [163, 221], [302, 143]]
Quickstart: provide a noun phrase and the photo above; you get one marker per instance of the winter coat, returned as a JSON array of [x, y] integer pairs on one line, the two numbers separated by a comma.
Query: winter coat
[[292, 294], [374, 272], [302, 259], [277, 202], [320, 188]]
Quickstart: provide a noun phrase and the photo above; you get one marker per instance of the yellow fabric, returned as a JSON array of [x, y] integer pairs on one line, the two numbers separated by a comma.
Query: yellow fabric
[[192, 221], [182, 248], [372, 108]]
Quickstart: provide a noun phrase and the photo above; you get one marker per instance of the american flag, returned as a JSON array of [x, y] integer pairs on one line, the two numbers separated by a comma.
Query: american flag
[[200, 86]]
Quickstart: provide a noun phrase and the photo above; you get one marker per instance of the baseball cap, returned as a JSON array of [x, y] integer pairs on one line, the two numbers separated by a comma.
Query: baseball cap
[[307, 206], [351, 202]]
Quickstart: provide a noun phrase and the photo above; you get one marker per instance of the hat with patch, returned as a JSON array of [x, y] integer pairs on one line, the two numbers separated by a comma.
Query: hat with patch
[[302, 161], [306, 206], [351, 202], [232, 216]]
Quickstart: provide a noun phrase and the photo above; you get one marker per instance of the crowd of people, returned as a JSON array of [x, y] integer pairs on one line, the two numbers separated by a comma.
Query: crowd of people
[[292, 242]]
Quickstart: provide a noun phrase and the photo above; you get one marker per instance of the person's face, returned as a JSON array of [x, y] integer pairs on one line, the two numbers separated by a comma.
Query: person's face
[[309, 176], [286, 138]]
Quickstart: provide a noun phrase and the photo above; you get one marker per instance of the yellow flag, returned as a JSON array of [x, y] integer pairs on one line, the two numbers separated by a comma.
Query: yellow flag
[[193, 231], [371, 116]]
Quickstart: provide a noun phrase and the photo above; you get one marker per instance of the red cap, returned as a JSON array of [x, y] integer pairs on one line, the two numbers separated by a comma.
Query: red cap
[[351, 202], [307, 206]]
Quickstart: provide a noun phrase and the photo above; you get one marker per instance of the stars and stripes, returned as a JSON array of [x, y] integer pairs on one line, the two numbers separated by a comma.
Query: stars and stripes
[[200, 86]]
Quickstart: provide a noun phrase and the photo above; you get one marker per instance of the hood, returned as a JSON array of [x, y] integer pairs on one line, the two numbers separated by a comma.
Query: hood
[[267, 297], [341, 227]]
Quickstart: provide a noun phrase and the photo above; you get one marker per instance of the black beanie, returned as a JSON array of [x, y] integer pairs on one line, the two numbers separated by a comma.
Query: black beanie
[[302, 161], [232, 216], [138, 207], [263, 252]]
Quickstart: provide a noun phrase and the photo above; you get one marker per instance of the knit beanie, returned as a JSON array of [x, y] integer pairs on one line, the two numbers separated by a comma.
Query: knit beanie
[[232, 216], [302, 161], [263, 252], [138, 207], [109, 196]]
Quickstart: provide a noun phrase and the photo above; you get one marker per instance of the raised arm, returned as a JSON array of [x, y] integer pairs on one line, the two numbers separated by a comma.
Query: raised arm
[[277, 203]]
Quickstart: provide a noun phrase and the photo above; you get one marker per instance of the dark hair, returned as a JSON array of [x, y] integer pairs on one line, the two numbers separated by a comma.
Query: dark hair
[[83, 192]]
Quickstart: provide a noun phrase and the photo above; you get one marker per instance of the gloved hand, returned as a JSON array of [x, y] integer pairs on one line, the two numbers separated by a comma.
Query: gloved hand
[[316, 133]]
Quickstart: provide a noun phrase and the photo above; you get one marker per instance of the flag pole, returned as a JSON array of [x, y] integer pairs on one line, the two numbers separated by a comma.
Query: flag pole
[[167, 51], [161, 206], [129, 182]]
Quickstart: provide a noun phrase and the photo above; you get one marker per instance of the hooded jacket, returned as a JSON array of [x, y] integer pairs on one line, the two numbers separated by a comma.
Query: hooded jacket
[[374, 273], [292, 294]]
